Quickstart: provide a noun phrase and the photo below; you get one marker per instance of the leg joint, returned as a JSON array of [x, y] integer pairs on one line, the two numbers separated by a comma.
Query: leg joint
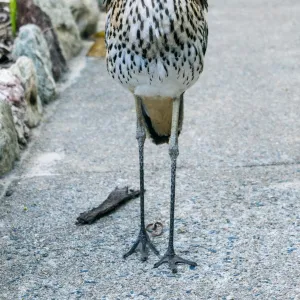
[[141, 136], [140, 133], [174, 151]]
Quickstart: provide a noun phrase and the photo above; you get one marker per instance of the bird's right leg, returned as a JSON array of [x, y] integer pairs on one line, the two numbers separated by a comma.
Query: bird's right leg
[[170, 256], [143, 239]]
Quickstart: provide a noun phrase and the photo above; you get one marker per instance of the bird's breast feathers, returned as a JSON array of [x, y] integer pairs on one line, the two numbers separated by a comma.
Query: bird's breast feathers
[[156, 47]]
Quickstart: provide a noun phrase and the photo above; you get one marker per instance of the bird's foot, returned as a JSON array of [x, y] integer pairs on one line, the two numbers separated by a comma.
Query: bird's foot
[[172, 259], [142, 241]]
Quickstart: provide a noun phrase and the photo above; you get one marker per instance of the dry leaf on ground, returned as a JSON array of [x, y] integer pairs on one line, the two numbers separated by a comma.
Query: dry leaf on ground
[[98, 49]]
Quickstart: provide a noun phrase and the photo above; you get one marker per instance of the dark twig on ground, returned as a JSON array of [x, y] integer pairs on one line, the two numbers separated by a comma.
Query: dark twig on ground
[[116, 198]]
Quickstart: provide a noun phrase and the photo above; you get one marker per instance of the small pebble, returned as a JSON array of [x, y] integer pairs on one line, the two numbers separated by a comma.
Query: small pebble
[[212, 250], [290, 250], [89, 281], [9, 193], [181, 230]]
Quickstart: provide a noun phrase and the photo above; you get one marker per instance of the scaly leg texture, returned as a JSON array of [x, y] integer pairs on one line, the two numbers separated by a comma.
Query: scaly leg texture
[[170, 257], [143, 239]]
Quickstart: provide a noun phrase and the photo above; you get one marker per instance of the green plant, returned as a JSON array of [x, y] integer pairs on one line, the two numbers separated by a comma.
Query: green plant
[[13, 16]]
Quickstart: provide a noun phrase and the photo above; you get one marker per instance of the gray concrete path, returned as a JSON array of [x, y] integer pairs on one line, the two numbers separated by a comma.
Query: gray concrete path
[[238, 192]]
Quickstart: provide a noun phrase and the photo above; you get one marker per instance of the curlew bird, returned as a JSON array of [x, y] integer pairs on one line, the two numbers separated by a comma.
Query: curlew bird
[[155, 49]]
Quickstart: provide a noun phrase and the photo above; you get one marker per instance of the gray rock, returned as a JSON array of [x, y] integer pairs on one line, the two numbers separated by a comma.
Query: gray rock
[[29, 13], [24, 69], [6, 38], [86, 15], [9, 148], [64, 25], [12, 92], [31, 43]]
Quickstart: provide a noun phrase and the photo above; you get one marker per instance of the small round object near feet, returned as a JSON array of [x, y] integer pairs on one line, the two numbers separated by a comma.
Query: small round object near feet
[[155, 229]]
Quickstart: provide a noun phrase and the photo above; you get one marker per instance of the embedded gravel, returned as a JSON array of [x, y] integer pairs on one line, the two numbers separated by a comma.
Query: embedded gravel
[[238, 180]]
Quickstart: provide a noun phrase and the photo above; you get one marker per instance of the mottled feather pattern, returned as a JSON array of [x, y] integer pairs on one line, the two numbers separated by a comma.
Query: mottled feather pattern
[[156, 47]]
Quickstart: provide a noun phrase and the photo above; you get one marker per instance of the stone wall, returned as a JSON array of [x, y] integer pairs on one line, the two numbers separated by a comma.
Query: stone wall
[[49, 35]]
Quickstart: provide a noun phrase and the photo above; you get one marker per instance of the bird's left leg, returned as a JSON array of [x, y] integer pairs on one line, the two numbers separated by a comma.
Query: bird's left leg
[[143, 239], [170, 257]]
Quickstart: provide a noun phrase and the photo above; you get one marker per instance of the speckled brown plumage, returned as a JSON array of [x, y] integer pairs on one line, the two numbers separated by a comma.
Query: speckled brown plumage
[[156, 47]]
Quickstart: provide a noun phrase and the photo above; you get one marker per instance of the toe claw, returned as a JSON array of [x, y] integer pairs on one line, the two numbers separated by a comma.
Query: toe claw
[[172, 261], [144, 257], [173, 267]]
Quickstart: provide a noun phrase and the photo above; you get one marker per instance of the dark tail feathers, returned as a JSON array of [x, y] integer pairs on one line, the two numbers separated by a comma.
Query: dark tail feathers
[[154, 135]]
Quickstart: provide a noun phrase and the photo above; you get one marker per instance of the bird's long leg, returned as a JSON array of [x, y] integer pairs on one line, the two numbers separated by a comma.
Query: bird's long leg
[[143, 239], [170, 257]]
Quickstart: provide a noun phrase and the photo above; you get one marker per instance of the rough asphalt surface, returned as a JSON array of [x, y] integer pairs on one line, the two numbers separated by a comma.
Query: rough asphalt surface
[[238, 181]]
